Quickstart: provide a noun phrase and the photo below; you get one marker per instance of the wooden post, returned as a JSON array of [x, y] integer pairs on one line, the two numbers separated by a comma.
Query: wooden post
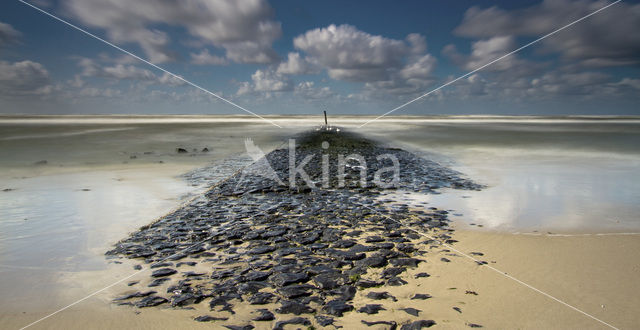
[[325, 119]]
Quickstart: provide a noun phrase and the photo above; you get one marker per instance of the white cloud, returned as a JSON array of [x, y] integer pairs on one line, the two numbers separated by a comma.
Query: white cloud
[[350, 54], [244, 28], [206, 58], [308, 91], [8, 34], [266, 81], [295, 64], [602, 40], [24, 78]]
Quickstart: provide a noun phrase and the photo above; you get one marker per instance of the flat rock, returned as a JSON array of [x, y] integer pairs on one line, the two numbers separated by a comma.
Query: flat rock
[[296, 320], [151, 301], [380, 295], [417, 325], [295, 291], [371, 309], [262, 298], [265, 315], [294, 307], [162, 272], [337, 307], [396, 281], [406, 262], [324, 320], [421, 296], [411, 311], [392, 325], [284, 279], [262, 249], [209, 318]]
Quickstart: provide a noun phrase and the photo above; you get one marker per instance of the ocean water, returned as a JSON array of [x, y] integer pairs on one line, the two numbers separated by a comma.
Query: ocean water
[[106, 176]]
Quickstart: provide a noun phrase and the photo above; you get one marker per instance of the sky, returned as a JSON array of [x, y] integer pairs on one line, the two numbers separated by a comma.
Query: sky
[[303, 57]]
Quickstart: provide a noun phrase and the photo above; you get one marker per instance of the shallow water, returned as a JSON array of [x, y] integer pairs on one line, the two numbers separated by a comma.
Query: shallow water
[[572, 176]]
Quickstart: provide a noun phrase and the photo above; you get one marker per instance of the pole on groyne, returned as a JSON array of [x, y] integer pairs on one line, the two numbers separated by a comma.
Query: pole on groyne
[[325, 119]]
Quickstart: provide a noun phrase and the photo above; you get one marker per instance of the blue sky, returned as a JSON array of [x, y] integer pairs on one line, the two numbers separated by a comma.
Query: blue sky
[[296, 57]]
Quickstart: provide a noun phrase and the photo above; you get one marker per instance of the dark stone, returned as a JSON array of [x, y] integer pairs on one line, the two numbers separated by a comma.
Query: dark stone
[[265, 315], [158, 282], [208, 318], [368, 284], [296, 320], [457, 309], [375, 261], [417, 325], [411, 311], [393, 271], [262, 298], [295, 291], [239, 327], [396, 281], [473, 325], [251, 287], [181, 150], [392, 325], [380, 295], [419, 275], [421, 296], [374, 239], [445, 259], [337, 307], [371, 309], [406, 262], [162, 272], [329, 281], [151, 301], [256, 276], [294, 307], [324, 320], [343, 243], [284, 279], [135, 295], [262, 249]]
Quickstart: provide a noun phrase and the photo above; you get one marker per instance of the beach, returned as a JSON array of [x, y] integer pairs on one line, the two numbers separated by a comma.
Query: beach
[[580, 258]]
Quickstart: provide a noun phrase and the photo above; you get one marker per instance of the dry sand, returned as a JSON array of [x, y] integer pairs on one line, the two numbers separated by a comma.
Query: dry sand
[[596, 274]]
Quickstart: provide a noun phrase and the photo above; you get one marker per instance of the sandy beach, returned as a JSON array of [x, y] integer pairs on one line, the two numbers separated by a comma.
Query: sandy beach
[[576, 270]]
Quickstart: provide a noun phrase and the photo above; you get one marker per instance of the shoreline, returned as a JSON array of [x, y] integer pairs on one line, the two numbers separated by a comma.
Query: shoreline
[[474, 307]]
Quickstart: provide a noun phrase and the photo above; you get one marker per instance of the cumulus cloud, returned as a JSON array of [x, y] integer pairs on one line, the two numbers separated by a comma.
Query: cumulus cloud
[[24, 78], [244, 28], [8, 34], [308, 91], [350, 54], [266, 81], [295, 64], [206, 58], [601, 40], [385, 65]]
